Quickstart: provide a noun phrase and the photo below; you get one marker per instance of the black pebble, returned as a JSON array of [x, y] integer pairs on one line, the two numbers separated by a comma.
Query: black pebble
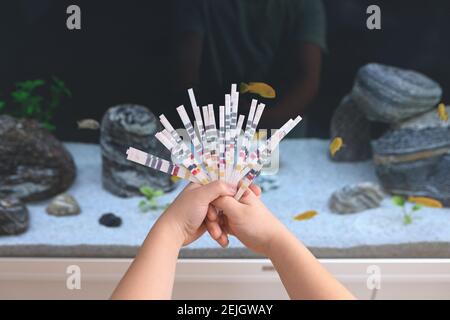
[[110, 220]]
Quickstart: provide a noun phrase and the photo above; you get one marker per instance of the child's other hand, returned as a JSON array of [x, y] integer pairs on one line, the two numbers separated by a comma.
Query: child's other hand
[[188, 211], [215, 223], [248, 219]]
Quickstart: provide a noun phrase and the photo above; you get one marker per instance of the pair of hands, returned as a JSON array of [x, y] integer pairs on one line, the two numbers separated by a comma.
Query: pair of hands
[[196, 210]]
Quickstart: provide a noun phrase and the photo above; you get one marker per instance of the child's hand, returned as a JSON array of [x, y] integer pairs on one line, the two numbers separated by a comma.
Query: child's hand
[[188, 211], [249, 220]]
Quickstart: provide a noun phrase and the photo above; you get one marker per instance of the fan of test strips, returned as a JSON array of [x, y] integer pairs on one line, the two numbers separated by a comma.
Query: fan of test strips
[[228, 154]]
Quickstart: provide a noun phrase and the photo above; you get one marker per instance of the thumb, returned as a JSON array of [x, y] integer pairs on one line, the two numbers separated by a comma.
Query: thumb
[[228, 205], [214, 190], [249, 196]]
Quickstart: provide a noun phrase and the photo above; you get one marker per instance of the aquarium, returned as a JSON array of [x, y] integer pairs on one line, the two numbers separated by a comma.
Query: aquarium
[[364, 174]]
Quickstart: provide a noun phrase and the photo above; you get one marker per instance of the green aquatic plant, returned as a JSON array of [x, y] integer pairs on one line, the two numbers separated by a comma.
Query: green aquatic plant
[[2, 105], [151, 199], [407, 211], [36, 99]]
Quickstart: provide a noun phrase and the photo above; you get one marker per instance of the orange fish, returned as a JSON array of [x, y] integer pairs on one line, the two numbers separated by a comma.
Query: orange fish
[[336, 145], [260, 88], [306, 215], [427, 202]]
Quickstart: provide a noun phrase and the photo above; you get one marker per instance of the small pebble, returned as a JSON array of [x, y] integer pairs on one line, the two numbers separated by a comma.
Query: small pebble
[[110, 220], [63, 205]]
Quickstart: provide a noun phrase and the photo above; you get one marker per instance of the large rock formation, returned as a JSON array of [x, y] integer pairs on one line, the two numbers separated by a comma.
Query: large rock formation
[[126, 126], [414, 159], [34, 165], [389, 94], [350, 123]]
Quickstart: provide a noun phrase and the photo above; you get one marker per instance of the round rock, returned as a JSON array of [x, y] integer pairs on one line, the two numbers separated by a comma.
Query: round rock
[[34, 165], [14, 217], [63, 205], [390, 94], [110, 220], [127, 126], [356, 198]]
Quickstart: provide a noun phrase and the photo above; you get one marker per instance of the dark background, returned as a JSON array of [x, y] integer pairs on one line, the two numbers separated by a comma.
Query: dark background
[[122, 53]]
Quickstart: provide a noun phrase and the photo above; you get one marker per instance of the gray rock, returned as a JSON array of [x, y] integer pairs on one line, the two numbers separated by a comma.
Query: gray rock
[[14, 217], [390, 94], [415, 159], [34, 165], [350, 123], [425, 120], [407, 142], [63, 205], [126, 126], [356, 198]]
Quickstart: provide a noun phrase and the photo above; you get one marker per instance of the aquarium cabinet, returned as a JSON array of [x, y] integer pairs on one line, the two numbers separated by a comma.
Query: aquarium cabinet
[[49, 278]]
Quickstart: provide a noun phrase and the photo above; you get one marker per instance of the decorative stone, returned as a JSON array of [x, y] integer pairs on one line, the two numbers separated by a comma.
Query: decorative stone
[[63, 205], [14, 217], [390, 94], [356, 198], [350, 123], [34, 165], [110, 220], [415, 159], [425, 120], [126, 126]]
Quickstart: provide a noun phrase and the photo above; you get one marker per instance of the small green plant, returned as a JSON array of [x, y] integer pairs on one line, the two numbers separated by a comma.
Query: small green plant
[[36, 99], [151, 199], [407, 210]]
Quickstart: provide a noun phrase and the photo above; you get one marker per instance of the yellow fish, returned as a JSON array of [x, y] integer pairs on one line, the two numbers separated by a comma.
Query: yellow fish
[[427, 202], [260, 135], [336, 145], [442, 112], [306, 215], [260, 88], [175, 179]]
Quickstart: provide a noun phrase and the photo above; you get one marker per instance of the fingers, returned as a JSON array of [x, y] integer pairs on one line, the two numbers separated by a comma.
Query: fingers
[[228, 205], [256, 189], [223, 240], [212, 214], [216, 232], [213, 190], [248, 198], [214, 229], [225, 226]]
